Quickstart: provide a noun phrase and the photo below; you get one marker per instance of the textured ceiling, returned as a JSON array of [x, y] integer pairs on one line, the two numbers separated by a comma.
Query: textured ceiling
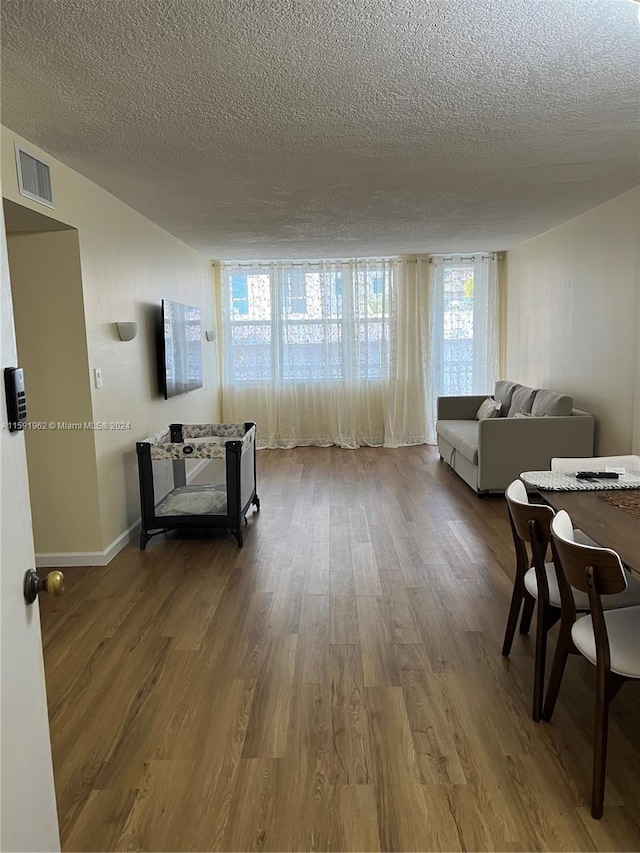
[[334, 128]]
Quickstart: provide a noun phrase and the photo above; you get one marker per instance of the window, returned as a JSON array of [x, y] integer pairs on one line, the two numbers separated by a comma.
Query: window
[[249, 350], [460, 342], [355, 352], [376, 283], [458, 329], [295, 293], [307, 323], [240, 294]]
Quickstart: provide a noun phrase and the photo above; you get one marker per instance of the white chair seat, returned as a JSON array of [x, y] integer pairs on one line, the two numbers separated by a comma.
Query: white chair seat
[[582, 539], [623, 630], [629, 598], [531, 585]]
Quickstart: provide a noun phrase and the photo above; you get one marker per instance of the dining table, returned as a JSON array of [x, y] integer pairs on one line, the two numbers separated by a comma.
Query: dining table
[[607, 511]]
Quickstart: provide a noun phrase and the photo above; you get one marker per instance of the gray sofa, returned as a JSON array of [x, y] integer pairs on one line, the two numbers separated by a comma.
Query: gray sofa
[[533, 426]]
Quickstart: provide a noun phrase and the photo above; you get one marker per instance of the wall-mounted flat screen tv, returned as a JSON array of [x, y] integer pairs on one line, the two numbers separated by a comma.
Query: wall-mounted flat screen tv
[[181, 348]]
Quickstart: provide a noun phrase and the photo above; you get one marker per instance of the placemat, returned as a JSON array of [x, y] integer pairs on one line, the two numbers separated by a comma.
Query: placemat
[[560, 481], [629, 503]]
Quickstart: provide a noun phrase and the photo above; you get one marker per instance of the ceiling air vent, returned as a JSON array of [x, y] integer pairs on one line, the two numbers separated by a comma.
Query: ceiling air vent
[[34, 177]]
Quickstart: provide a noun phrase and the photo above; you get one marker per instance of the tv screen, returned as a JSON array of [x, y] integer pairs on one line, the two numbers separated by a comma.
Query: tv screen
[[181, 347]]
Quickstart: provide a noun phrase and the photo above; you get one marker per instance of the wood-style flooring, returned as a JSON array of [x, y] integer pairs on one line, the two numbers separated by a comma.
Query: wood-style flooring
[[337, 684]]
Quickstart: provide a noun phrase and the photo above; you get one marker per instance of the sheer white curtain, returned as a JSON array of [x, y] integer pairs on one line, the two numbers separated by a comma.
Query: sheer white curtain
[[332, 352], [464, 339], [407, 410], [306, 350]]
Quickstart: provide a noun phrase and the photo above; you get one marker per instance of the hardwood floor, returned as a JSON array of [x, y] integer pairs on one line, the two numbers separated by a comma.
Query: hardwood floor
[[337, 684]]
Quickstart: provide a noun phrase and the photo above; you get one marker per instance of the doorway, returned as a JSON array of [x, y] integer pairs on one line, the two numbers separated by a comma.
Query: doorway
[[28, 820], [46, 286]]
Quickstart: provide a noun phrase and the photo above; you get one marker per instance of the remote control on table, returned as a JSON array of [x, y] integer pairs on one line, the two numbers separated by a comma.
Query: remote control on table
[[597, 475]]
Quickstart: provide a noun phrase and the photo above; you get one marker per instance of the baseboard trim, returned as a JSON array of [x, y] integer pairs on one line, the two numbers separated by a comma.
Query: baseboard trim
[[101, 558], [89, 558]]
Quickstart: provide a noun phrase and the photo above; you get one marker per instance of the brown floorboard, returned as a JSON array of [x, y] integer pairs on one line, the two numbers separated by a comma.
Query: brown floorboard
[[337, 684]]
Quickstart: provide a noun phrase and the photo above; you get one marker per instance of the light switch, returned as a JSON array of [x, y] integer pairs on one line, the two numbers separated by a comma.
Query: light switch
[[97, 372]]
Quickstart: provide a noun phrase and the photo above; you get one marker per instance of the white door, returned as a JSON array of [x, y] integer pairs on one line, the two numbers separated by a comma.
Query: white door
[[29, 819]]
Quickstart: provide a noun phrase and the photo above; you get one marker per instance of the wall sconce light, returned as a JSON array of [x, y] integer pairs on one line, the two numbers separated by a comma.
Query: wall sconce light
[[127, 331], [210, 334]]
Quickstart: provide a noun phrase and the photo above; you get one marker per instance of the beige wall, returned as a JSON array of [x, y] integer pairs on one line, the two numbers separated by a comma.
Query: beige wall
[[636, 420], [128, 265], [573, 317], [52, 349]]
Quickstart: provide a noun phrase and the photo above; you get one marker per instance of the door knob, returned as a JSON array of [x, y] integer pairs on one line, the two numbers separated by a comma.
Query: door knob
[[53, 585]]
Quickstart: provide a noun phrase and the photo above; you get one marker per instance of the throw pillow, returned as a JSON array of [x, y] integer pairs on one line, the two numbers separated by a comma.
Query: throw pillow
[[489, 408]]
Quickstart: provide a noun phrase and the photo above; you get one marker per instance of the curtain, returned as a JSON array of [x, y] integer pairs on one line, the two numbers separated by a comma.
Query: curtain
[[332, 352], [464, 337], [408, 418]]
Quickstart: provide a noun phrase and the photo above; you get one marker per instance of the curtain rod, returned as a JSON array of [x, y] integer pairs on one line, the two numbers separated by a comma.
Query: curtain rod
[[480, 256], [331, 262]]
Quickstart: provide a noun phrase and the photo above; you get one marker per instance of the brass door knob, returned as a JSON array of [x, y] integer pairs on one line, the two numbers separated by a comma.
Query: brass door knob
[[52, 584]]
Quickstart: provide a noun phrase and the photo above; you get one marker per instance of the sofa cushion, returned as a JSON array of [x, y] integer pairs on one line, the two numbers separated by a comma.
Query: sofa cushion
[[522, 400], [489, 408], [552, 404], [504, 393], [463, 435]]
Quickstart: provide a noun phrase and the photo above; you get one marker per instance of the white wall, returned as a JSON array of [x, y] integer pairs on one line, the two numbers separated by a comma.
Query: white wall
[[128, 265], [52, 349], [573, 317]]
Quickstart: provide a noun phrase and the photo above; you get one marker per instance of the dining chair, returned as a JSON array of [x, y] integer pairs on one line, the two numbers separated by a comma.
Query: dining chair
[[594, 463], [535, 580], [608, 638]]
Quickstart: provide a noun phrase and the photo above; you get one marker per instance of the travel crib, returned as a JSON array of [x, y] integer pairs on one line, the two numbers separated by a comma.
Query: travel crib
[[197, 476]]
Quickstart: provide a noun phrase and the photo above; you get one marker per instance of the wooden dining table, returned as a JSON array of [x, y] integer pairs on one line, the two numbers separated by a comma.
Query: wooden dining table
[[609, 525]]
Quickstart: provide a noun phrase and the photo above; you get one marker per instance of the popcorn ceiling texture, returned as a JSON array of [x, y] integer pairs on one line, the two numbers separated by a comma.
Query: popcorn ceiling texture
[[325, 128]]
